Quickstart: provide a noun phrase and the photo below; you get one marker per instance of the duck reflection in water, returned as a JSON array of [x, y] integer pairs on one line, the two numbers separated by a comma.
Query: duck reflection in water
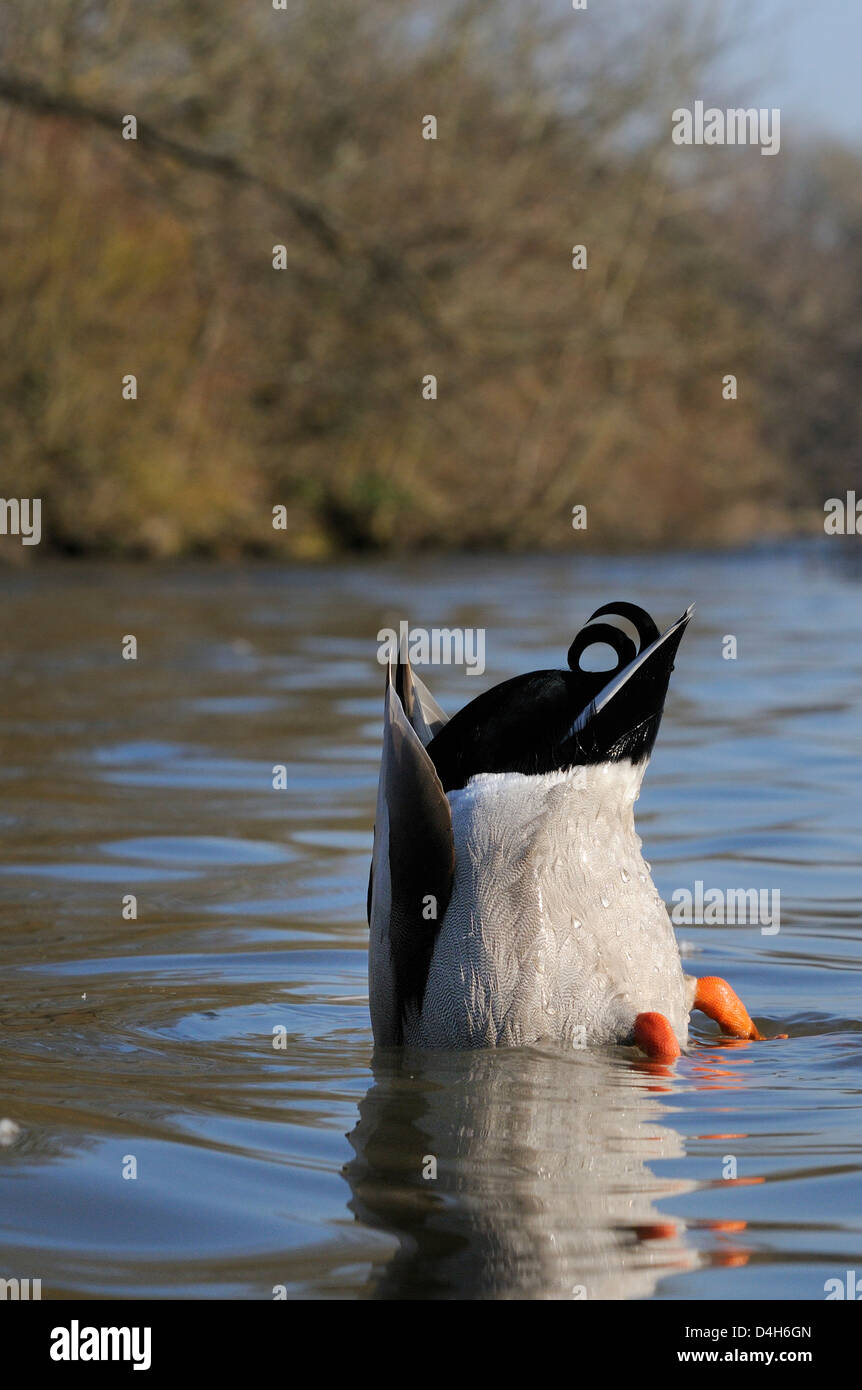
[[522, 1173]]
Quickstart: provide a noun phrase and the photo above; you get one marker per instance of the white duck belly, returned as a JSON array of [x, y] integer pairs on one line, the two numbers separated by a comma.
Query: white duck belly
[[554, 928]]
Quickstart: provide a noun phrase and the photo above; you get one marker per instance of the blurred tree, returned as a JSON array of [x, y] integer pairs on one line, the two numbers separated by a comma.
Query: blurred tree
[[406, 257]]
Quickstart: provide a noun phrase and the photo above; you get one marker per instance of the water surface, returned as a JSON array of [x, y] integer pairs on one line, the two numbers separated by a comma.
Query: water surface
[[219, 1043]]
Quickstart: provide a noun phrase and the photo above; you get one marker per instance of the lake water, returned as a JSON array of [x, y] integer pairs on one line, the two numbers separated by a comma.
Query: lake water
[[147, 1045]]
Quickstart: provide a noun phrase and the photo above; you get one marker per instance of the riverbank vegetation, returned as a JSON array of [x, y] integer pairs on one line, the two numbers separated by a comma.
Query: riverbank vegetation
[[306, 388]]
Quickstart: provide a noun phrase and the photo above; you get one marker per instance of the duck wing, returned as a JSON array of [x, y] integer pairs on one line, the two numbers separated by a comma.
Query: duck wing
[[413, 861], [422, 710]]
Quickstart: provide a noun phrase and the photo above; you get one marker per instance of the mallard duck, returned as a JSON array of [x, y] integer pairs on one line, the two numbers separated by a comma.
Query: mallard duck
[[509, 902]]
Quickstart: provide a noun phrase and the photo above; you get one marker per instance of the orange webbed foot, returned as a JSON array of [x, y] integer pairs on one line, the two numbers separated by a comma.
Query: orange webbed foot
[[715, 998], [654, 1036]]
